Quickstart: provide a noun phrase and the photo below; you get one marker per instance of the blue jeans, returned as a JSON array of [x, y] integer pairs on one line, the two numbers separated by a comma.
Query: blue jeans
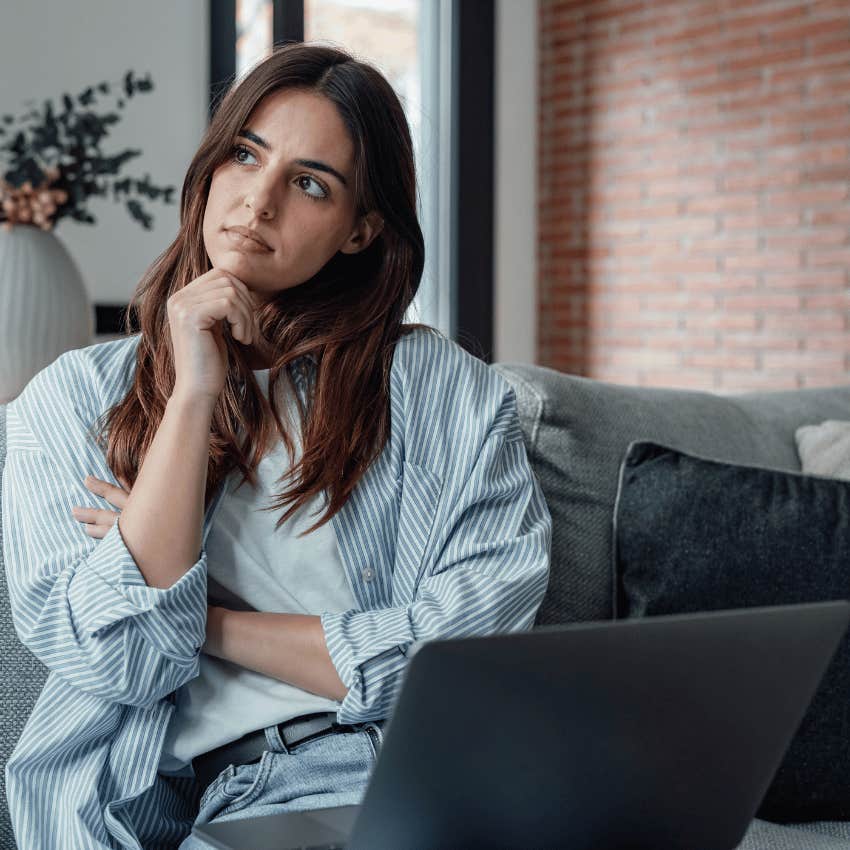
[[333, 770]]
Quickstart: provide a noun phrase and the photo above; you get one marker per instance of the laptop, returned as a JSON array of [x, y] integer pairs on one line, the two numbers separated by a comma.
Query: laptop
[[662, 732]]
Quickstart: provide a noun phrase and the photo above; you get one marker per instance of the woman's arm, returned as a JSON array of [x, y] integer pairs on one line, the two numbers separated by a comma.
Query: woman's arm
[[82, 606], [162, 521], [288, 647]]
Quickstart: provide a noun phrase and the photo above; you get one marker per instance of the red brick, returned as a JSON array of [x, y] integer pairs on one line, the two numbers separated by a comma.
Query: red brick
[[804, 323], [723, 83], [722, 203], [804, 279], [827, 302], [766, 57], [682, 342], [721, 360], [760, 341], [723, 321], [799, 31], [807, 239], [762, 301], [693, 163], [736, 384], [804, 197], [840, 215], [829, 342], [683, 303], [768, 260], [827, 173], [676, 264], [831, 132], [721, 282], [824, 113], [816, 256], [808, 361], [725, 244], [686, 379]]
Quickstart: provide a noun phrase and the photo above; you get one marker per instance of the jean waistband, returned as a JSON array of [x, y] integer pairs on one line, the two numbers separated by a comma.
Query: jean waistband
[[250, 747]]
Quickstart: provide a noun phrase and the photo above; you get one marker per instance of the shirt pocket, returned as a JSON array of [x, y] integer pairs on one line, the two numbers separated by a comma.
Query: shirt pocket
[[420, 492]]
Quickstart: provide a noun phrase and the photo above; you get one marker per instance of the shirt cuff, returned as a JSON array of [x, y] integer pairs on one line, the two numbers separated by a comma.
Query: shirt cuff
[[368, 650], [108, 587]]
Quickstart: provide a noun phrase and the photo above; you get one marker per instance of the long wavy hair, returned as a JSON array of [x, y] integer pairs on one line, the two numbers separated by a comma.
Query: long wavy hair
[[346, 318]]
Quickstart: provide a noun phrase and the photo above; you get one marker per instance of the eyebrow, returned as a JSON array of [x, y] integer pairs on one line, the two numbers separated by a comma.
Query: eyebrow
[[307, 163]]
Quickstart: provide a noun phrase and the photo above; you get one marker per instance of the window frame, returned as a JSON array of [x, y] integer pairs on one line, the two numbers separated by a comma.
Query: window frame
[[470, 314]]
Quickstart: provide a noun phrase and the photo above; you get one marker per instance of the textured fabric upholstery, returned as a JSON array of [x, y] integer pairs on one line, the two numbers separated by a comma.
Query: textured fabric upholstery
[[577, 431], [22, 675]]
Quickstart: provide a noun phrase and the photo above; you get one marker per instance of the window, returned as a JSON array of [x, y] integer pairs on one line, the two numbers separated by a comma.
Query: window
[[254, 21], [401, 38]]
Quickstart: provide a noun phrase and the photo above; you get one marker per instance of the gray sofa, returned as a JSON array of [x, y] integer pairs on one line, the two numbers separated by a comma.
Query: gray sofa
[[577, 431]]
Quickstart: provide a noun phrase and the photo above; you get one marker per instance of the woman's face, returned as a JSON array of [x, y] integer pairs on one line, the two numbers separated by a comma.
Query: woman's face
[[304, 212]]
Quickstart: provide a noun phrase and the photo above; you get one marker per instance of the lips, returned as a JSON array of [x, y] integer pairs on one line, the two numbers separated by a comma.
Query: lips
[[245, 236]]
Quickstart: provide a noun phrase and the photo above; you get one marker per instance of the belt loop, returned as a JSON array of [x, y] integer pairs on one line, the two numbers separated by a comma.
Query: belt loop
[[274, 739]]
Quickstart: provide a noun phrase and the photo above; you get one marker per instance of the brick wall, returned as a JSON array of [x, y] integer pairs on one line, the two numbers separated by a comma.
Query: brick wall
[[694, 214]]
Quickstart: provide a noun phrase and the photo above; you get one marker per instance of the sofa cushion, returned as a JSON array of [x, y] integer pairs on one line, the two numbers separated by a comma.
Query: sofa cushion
[[823, 835], [22, 675], [825, 449], [577, 430], [693, 534]]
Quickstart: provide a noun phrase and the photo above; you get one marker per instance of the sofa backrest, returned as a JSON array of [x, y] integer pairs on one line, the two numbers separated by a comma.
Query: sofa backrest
[[577, 430]]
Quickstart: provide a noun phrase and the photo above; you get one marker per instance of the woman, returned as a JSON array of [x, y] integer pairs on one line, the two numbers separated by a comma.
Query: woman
[[209, 657]]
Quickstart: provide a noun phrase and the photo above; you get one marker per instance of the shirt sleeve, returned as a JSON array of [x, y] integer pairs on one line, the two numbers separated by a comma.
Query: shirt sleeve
[[80, 604], [489, 576]]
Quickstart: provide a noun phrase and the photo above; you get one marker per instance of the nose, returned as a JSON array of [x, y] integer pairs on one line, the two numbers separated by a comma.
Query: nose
[[259, 199], [259, 205]]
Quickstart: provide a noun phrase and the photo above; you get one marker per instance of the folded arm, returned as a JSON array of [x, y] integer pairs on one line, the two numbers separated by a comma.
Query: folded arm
[[82, 606]]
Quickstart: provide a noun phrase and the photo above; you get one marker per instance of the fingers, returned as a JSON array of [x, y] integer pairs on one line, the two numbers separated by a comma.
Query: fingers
[[114, 495], [249, 302], [96, 522], [224, 297], [225, 302]]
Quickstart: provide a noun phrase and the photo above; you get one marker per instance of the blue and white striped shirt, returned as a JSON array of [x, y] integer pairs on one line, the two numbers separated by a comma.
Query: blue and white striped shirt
[[446, 535]]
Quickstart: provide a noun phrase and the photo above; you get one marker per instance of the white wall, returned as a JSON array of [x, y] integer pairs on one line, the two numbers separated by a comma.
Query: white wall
[[515, 223], [47, 48]]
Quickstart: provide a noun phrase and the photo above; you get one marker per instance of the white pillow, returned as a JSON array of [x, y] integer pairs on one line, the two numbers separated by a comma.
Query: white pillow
[[825, 449]]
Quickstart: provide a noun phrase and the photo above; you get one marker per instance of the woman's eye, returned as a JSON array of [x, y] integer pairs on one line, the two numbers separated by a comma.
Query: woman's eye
[[239, 149], [321, 188]]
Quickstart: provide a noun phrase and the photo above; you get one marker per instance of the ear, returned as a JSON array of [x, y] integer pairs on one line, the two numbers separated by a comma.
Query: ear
[[361, 237]]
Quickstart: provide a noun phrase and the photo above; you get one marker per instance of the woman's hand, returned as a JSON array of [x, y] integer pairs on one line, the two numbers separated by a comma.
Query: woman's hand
[[99, 521], [197, 317]]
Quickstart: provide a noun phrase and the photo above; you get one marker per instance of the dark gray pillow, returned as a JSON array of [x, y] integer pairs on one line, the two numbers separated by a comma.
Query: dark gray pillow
[[693, 534]]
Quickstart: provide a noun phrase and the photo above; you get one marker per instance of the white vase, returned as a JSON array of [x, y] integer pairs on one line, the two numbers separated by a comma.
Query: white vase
[[45, 309]]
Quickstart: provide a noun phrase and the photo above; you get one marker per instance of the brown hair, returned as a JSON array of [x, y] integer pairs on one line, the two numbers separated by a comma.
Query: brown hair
[[347, 317]]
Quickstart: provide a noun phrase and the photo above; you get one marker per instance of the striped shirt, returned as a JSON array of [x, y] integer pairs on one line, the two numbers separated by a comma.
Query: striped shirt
[[446, 535]]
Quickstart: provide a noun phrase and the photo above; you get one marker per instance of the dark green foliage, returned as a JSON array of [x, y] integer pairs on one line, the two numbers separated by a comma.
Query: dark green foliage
[[69, 140]]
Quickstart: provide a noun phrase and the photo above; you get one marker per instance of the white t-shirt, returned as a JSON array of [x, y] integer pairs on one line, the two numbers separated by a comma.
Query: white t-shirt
[[253, 566]]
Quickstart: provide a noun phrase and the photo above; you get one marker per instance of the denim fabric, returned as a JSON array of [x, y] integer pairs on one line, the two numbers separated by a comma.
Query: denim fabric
[[333, 770]]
